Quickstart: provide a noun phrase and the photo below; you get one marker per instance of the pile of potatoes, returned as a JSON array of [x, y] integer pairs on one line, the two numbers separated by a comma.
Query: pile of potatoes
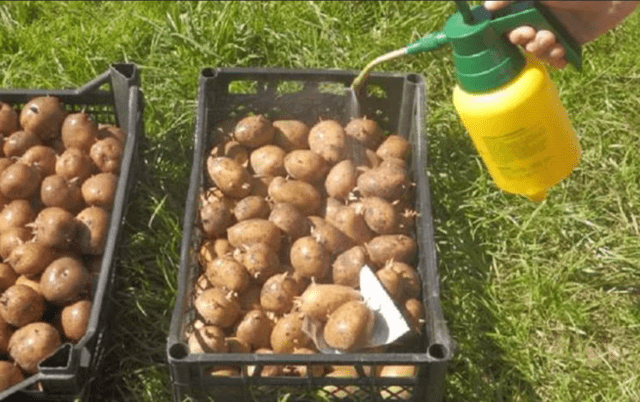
[[288, 217], [58, 178]]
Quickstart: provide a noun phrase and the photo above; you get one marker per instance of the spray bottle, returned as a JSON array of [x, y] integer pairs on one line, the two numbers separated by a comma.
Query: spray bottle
[[505, 99]]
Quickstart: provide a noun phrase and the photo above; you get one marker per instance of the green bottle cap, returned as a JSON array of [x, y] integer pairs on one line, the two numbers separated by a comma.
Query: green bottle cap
[[484, 57]]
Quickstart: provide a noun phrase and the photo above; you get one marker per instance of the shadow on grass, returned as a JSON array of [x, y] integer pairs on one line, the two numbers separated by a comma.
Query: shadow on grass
[[134, 367], [478, 371]]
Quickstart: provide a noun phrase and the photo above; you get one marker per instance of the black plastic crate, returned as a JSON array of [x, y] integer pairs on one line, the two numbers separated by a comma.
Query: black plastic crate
[[397, 103], [114, 97]]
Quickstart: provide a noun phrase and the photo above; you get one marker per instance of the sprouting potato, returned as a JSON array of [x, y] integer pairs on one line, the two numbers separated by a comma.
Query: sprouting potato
[[229, 176], [328, 139], [366, 131], [341, 179], [268, 160], [305, 165], [394, 146], [350, 326], [300, 194]]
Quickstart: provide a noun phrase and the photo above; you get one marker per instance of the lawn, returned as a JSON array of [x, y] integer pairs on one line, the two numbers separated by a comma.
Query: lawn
[[542, 299]]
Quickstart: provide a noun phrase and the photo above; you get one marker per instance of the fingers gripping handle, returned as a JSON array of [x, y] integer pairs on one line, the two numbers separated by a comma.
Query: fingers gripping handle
[[539, 17]]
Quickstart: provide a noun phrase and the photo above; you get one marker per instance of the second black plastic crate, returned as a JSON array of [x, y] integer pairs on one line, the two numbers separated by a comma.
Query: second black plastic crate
[[114, 97], [397, 103]]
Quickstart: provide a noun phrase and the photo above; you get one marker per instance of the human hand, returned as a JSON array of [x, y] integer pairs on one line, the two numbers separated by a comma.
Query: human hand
[[584, 21]]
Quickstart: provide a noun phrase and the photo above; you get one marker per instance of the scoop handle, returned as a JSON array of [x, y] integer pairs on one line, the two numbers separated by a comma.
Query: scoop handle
[[539, 17]]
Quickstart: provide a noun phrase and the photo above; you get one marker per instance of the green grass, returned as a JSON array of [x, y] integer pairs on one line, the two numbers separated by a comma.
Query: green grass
[[541, 299]]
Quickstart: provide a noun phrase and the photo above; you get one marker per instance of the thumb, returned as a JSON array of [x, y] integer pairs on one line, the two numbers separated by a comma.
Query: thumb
[[495, 5]]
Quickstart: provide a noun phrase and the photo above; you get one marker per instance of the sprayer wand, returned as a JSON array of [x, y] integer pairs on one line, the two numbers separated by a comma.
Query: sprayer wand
[[465, 31], [430, 42]]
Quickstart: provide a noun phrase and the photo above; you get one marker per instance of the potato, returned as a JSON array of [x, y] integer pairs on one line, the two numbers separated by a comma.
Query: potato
[[32, 344], [268, 160], [6, 330], [100, 190], [235, 151], [397, 247], [31, 258], [10, 375], [255, 329], [305, 165], [16, 213], [207, 339], [409, 278], [346, 267], [79, 130], [237, 346], [327, 139], [260, 260], [225, 371], [254, 131], [218, 307], [267, 371], [44, 116], [19, 181], [225, 272], [8, 119], [300, 194], [380, 215], [251, 207], [312, 370], [291, 134], [391, 282], [278, 292], [92, 229], [309, 258], [287, 334], [393, 163], [16, 144], [288, 219], [253, 231], [8, 276], [106, 154], [320, 300], [42, 158], [352, 223], [397, 391], [210, 249], [347, 392], [341, 179], [366, 131], [74, 320], [232, 149], [329, 236], [215, 218], [12, 238], [394, 146], [21, 305], [413, 311], [230, 177], [65, 280], [349, 327], [388, 183]]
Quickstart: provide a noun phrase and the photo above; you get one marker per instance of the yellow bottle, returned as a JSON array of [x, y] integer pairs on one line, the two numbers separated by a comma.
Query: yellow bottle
[[506, 100], [521, 131]]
